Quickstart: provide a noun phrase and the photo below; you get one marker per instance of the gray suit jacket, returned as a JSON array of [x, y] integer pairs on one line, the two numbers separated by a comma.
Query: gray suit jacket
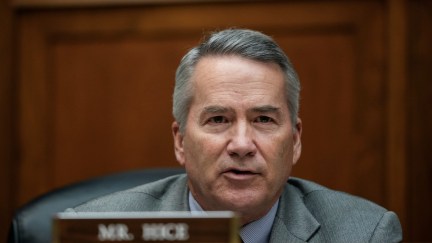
[[307, 211]]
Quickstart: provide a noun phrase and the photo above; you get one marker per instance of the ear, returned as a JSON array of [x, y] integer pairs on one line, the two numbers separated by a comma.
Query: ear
[[178, 143], [297, 146]]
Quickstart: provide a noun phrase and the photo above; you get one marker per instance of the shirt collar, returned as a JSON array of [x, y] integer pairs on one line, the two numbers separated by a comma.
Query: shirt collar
[[257, 231]]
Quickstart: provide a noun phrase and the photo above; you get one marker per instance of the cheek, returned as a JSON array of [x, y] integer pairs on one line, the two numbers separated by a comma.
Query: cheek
[[286, 151], [279, 145], [192, 150], [282, 150], [199, 149]]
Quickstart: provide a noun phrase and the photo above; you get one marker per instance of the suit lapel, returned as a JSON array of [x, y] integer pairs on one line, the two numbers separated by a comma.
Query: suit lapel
[[176, 196], [293, 221]]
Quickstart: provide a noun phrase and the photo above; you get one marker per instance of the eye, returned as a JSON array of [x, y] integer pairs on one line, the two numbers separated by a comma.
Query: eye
[[264, 119], [218, 119]]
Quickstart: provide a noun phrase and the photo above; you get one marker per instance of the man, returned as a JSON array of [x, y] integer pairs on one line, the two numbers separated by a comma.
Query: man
[[237, 134]]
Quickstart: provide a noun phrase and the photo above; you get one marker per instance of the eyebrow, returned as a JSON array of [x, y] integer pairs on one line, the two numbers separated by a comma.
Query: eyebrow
[[216, 109], [266, 109]]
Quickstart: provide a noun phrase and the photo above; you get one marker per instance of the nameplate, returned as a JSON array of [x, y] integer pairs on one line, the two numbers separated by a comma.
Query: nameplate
[[158, 227]]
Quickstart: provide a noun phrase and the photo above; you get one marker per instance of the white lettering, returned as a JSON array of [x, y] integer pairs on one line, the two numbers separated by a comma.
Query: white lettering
[[167, 232], [114, 232]]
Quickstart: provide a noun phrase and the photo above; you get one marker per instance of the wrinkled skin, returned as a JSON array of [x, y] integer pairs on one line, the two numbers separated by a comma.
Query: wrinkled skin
[[239, 144]]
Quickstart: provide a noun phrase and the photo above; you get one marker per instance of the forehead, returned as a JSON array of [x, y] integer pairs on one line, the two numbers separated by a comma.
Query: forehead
[[216, 69], [222, 79]]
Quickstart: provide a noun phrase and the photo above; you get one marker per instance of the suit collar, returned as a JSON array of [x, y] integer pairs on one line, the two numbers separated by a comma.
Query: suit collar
[[294, 222], [175, 197]]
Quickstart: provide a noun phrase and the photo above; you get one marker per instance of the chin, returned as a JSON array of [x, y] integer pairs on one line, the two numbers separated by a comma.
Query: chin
[[240, 202]]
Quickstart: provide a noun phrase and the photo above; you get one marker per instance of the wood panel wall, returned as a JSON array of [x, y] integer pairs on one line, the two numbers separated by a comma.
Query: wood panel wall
[[94, 84], [7, 90], [419, 122]]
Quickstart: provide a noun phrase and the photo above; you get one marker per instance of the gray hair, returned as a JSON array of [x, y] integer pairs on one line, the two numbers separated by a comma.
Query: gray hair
[[245, 43]]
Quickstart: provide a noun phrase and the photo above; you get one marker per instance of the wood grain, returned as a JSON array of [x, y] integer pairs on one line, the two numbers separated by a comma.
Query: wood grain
[[93, 84]]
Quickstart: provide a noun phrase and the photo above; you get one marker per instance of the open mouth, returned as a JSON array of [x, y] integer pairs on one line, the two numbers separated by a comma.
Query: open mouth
[[238, 174], [241, 172]]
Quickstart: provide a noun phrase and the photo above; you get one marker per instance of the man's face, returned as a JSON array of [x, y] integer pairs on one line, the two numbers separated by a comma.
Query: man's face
[[239, 145]]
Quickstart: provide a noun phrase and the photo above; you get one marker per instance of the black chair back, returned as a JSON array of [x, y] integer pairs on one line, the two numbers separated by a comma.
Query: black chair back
[[32, 223]]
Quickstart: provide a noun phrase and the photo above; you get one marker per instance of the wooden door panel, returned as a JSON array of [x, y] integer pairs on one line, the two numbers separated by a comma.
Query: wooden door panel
[[341, 147], [96, 84], [112, 105]]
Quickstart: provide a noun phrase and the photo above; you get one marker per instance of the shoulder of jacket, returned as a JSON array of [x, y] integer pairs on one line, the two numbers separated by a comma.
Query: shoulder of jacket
[[137, 197], [312, 193]]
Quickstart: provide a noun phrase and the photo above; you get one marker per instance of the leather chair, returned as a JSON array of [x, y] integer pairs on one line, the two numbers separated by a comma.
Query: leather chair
[[32, 223]]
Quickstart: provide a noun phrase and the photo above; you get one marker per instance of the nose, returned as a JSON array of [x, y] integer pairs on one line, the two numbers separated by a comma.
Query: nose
[[241, 143]]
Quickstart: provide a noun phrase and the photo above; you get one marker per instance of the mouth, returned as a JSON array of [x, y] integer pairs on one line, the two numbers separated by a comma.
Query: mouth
[[239, 174]]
